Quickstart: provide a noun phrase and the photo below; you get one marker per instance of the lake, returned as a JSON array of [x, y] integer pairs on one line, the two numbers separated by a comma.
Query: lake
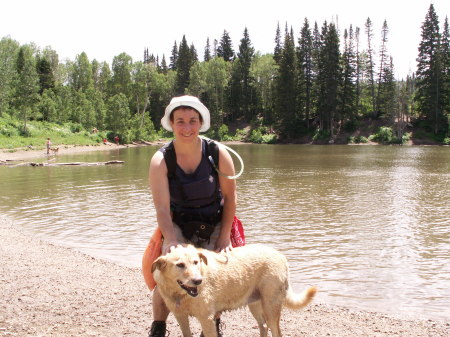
[[368, 225]]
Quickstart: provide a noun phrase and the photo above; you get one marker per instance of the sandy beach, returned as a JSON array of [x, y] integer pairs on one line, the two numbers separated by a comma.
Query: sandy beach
[[48, 290], [28, 154]]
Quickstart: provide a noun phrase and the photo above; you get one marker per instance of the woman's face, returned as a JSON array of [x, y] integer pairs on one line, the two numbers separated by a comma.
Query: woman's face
[[186, 124]]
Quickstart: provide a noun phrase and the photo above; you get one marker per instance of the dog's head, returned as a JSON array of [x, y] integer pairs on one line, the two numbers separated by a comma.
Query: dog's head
[[181, 268]]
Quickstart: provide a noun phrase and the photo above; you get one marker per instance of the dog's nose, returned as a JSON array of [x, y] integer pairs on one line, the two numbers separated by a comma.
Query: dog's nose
[[197, 281]]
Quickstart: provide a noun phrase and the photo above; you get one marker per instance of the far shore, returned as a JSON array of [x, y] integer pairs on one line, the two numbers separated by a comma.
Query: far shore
[[22, 154]]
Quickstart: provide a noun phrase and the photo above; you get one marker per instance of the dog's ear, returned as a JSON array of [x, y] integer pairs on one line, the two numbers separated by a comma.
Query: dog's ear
[[160, 263], [203, 258]]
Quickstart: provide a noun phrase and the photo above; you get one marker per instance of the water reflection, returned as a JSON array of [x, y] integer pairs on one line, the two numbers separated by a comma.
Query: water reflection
[[368, 225]]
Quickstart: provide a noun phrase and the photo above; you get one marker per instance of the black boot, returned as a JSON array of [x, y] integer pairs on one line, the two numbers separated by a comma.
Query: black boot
[[158, 329], [218, 328]]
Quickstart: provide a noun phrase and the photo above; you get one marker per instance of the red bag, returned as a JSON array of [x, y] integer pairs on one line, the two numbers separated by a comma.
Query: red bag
[[237, 234]]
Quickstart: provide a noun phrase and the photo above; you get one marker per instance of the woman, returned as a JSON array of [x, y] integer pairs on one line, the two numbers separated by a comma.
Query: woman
[[195, 194]]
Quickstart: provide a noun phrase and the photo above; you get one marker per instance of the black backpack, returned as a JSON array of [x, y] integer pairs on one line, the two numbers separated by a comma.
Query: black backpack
[[191, 224]]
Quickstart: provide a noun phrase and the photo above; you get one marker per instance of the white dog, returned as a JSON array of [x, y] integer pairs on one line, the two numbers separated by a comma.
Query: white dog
[[200, 283]]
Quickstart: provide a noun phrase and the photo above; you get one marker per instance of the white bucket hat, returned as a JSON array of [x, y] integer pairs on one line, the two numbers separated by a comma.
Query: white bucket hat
[[190, 101]]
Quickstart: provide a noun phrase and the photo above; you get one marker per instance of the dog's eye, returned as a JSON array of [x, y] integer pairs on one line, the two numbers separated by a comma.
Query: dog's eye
[[180, 265], [195, 262]]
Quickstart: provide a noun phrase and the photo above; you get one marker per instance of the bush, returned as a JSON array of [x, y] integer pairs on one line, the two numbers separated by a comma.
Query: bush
[[240, 134], [9, 131], [255, 136], [75, 127], [223, 132], [357, 140], [261, 135], [384, 135], [321, 135]]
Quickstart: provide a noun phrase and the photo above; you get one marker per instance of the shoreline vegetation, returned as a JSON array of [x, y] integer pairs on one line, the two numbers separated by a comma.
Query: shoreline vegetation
[[65, 139], [49, 290]]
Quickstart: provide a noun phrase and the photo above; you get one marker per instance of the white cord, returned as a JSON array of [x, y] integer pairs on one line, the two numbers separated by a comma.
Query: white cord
[[232, 151]]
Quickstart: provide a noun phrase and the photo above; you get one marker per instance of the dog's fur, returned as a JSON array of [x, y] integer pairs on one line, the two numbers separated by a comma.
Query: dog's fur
[[200, 283]]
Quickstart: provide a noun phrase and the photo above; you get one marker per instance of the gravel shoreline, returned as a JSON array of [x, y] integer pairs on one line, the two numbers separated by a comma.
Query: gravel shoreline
[[48, 290]]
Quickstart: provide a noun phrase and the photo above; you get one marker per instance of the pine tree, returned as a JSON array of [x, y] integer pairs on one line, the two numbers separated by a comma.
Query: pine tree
[[358, 69], [225, 49], [429, 72], [193, 51], [348, 94], [278, 47], [445, 59], [163, 66], [305, 72], [371, 65], [384, 57], [316, 48], [184, 64], [174, 57], [216, 44], [146, 55], [329, 78], [287, 88], [245, 57], [207, 55], [46, 77]]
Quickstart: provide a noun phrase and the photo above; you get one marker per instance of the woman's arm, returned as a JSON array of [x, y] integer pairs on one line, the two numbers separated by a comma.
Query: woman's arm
[[228, 188], [159, 185]]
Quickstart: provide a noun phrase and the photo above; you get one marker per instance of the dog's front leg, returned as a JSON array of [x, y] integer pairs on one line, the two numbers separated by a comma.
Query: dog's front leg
[[208, 327], [183, 322]]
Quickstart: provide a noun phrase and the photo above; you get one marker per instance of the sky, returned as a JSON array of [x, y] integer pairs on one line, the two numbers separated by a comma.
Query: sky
[[105, 28]]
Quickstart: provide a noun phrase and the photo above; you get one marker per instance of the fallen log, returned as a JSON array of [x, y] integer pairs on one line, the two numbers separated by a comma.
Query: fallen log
[[71, 164]]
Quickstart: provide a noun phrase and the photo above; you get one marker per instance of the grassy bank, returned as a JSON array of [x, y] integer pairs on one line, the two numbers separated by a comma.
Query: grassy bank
[[14, 136]]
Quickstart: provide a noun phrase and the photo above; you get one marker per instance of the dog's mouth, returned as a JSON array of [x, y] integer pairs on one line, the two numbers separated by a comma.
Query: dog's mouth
[[192, 291]]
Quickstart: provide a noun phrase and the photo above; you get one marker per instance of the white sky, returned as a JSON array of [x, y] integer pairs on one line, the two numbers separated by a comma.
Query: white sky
[[105, 28]]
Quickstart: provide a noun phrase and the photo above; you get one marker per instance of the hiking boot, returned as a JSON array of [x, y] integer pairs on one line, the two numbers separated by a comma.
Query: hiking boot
[[219, 327], [158, 329]]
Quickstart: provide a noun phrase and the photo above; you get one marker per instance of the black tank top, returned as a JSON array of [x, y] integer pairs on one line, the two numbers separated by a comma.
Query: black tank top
[[199, 189]]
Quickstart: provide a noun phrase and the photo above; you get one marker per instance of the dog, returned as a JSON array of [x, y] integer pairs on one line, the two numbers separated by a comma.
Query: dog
[[54, 149], [201, 283]]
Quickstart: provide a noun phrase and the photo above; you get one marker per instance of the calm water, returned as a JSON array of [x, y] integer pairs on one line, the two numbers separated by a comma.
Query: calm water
[[369, 225]]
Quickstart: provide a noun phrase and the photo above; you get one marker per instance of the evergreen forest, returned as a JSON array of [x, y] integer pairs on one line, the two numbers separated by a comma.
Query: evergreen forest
[[318, 85]]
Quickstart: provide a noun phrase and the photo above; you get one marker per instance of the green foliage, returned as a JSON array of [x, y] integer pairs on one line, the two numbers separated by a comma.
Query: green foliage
[[240, 134], [384, 135], [357, 140], [308, 90], [262, 135], [321, 135], [223, 133]]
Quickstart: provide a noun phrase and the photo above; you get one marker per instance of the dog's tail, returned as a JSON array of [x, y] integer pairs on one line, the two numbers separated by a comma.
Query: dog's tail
[[298, 301]]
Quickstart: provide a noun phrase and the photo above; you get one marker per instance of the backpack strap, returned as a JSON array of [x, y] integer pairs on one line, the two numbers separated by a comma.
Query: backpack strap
[[212, 149], [170, 157]]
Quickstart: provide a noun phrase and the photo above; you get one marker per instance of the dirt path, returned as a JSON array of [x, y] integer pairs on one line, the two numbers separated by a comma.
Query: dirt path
[[47, 290]]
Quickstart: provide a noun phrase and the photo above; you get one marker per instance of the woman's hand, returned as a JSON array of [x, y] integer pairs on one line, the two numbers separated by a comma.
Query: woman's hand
[[223, 244], [172, 244]]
